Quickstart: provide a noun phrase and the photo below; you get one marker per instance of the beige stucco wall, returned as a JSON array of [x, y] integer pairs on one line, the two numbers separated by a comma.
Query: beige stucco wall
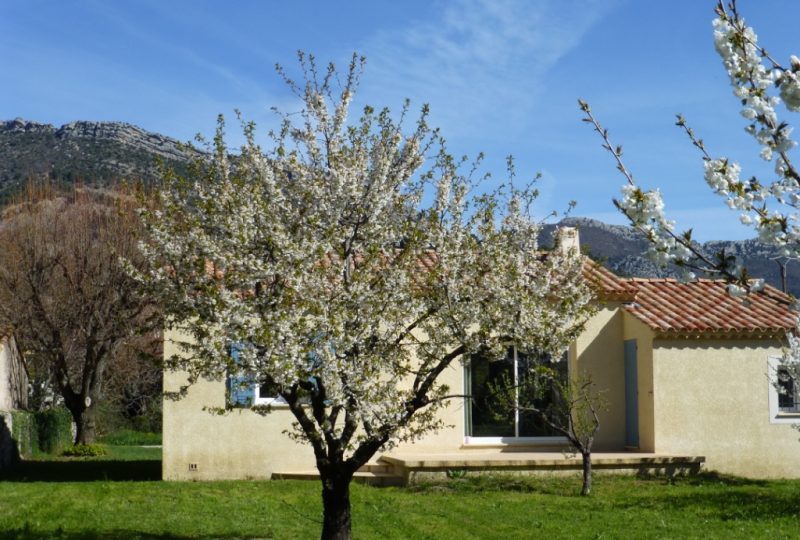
[[13, 379], [240, 444], [635, 329], [711, 399], [599, 351], [244, 444]]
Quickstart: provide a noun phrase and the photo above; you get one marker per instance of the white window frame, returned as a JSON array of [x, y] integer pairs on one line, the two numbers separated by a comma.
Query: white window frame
[[514, 441], [469, 440], [258, 400], [776, 415]]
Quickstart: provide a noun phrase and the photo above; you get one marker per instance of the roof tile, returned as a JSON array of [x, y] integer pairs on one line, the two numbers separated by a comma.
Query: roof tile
[[704, 307]]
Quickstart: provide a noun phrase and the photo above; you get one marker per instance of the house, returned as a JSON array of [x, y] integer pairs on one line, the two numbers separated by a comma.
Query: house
[[13, 377], [688, 373], [13, 395]]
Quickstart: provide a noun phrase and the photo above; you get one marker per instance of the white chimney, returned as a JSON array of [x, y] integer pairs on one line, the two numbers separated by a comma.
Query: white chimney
[[567, 240]]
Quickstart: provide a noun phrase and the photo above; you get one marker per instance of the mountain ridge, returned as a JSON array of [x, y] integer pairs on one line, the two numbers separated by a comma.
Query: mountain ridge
[[622, 249], [102, 153], [95, 153]]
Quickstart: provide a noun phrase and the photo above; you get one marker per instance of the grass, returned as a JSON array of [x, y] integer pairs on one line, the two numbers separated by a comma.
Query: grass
[[129, 437], [51, 501]]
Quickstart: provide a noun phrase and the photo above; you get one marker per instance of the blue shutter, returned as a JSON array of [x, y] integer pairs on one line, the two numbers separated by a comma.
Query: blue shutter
[[631, 395], [241, 389]]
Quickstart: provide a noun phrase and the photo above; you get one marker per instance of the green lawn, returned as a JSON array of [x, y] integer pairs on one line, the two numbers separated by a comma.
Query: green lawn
[[124, 500], [131, 437]]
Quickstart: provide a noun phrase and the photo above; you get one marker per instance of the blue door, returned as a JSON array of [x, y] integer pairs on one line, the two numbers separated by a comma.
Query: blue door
[[631, 396]]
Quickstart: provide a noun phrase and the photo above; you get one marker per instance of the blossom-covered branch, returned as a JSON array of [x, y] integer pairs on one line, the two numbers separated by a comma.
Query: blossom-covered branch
[[770, 207]]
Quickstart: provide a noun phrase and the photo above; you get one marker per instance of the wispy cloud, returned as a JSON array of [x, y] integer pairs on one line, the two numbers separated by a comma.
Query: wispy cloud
[[478, 62], [177, 50]]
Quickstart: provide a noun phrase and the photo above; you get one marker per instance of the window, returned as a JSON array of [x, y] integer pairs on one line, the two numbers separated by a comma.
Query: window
[[784, 398], [787, 392], [244, 391], [487, 422]]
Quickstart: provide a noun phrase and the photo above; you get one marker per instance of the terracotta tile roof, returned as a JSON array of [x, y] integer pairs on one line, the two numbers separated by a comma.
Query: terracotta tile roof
[[606, 284], [704, 308]]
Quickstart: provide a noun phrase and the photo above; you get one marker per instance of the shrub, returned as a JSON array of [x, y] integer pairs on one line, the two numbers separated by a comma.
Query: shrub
[[85, 450], [43, 431], [23, 431], [113, 417], [54, 429]]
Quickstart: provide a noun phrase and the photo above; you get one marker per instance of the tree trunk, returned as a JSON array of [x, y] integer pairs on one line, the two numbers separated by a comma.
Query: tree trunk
[[85, 424], [587, 473], [336, 507]]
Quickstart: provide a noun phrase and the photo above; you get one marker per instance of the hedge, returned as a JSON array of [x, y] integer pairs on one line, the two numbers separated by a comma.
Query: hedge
[[54, 430], [23, 431], [47, 431]]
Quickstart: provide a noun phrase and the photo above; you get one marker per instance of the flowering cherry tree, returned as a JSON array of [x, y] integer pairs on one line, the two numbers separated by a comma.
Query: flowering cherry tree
[[319, 260], [771, 206]]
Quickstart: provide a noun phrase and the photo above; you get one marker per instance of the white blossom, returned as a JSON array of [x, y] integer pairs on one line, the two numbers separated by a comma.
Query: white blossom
[[321, 264], [790, 86], [736, 290]]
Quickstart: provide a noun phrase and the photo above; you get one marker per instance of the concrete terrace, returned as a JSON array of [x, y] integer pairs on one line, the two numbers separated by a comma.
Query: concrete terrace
[[404, 468]]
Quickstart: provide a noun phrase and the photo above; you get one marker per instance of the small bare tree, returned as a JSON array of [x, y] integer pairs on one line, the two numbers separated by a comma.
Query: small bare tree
[[65, 293], [565, 405]]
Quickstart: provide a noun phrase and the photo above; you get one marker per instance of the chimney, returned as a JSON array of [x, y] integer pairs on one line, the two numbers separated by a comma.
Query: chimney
[[567, 240]]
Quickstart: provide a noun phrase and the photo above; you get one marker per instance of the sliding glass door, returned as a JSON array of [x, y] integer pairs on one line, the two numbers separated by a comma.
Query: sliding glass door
[[491, 418]]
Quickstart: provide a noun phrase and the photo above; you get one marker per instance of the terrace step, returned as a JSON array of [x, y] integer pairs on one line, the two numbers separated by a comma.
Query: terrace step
[[543, 461], [377, 467], [363, 477]]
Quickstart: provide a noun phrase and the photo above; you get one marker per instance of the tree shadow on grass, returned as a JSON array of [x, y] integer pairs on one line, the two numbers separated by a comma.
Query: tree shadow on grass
[[732, 505], [704, 478], [722, 497], [83, 471], [468, 482]]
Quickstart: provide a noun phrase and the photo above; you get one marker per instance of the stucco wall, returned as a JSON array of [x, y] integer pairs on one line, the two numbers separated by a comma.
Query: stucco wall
[[634, 329], [243, 444], [599, 351], [13, 379], [695, 397], [711, 399]]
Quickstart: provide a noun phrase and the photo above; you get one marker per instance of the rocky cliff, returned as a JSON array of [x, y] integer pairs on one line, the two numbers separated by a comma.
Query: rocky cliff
[[96, 153]]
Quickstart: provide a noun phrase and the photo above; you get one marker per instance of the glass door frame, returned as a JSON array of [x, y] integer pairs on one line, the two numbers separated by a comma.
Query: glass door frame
[[470, 440]]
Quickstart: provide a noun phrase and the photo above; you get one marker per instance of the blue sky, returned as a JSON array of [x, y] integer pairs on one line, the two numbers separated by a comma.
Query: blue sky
[[501, 76]]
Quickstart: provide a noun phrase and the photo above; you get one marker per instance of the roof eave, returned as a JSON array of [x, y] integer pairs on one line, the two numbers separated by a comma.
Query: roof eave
[[744, 334]]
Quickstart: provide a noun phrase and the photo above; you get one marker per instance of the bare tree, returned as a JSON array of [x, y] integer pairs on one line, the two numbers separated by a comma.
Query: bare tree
[[132, 390], [65, 292], [562, 404]]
